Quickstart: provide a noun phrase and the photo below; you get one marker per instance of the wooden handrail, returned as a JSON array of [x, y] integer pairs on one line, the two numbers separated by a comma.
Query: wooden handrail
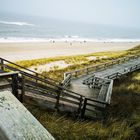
[[8, 74], [103, 65], [66, 81], [44, 80], [109, 92], [30, 70], [97, 101]]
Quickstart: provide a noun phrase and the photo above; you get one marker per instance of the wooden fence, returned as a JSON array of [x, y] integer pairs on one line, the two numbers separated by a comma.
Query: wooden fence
[[92, 69], [66, 81], [8, 65], [106, 84], [13, 84], [54, 93], [92, 106]]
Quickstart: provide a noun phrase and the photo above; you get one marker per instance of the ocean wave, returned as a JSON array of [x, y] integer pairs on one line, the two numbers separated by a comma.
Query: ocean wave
[[22, 39], [17, 23]]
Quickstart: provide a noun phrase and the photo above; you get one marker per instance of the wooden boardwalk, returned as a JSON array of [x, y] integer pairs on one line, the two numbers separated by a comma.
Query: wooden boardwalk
[[77, 84], [84, 92], [97, 82]]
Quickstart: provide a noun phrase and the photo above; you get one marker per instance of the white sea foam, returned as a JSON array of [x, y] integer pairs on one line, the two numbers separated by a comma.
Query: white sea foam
[[66, 39], [19, 39], [97, 40], [17, 23]]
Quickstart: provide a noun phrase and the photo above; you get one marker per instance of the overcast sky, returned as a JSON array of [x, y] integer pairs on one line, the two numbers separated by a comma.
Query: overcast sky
[[114, 12]]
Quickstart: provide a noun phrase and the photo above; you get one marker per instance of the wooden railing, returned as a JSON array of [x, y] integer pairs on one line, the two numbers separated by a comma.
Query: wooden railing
[[12, 66], [109, 92], [114, 75], [92, 105], [106, 84], [58, 94], [53, 92], [66, 80], [92, 69], [133, 68], [95, 81], [13, 84]]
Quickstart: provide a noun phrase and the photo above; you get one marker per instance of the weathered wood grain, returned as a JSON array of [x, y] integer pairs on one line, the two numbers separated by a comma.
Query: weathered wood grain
[[17, 123]]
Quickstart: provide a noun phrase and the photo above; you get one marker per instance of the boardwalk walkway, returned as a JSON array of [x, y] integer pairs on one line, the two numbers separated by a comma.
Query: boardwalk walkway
[[84, 92], [77, 84], [97, 82]]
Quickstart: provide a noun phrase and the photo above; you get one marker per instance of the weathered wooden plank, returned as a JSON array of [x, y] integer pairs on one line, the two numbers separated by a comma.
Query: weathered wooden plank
[[39, 92], [66, 81], [69, 100], [17, 123], [8, 74], [109, 92], [4, 86]]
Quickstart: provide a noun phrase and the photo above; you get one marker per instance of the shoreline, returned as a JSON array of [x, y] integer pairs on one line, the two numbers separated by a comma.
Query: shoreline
[[28, 51], [67, 39]]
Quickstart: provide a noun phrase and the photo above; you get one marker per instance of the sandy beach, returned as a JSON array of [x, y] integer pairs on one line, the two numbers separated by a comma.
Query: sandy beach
[[26, 51]]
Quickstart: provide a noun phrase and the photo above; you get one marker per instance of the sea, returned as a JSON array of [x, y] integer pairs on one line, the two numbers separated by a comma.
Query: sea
[[21, 28]]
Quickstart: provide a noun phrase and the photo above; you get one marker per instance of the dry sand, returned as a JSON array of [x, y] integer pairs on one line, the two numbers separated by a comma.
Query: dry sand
[[26, 51]]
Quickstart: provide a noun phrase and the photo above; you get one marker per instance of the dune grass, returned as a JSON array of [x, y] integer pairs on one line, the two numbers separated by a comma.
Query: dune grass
[[121, 123], [77, 62], [69, 59]]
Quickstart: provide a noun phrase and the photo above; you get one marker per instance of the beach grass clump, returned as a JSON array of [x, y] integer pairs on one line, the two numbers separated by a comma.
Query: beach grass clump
[[64, 127], [135, 50], [69, 59]]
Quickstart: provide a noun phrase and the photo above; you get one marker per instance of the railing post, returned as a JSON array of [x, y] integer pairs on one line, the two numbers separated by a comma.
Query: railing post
[[84, 108], [65, 75], [2, 64], [136, 67], [118, 61], [87, 71], [36, 76], [76, 73], [131, 69], [117, 74], [58, 97], [97, 68], [80, 105], [15, 85], [22, 89], [57, 101]]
